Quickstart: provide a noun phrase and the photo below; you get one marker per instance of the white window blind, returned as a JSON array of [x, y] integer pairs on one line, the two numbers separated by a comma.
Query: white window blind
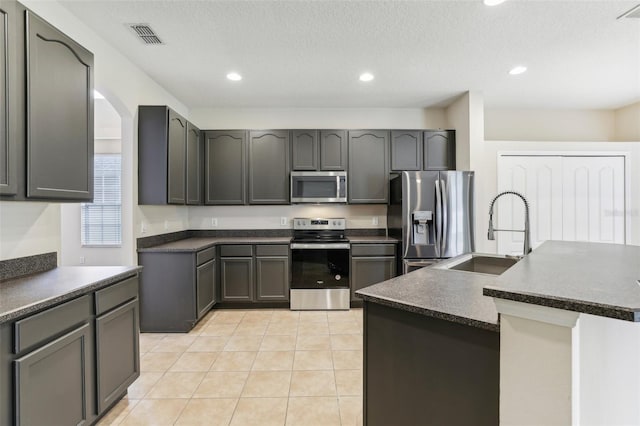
[[101, 220]]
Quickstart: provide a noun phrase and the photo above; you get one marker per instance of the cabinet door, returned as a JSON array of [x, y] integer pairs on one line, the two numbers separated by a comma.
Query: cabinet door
[[176, 144], [7, 142], [333, 150], [236, 275], [366, 271], [406, 150], [52, 382], [440, 150], [205, 287], [272, 278], [368, 167], [59, 139], [194, 165], [269, 167], [225, 167], [117, 352], [304, 147]]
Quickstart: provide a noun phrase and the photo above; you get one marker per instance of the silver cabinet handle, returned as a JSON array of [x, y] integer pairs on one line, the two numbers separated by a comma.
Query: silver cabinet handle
[[314, 246]]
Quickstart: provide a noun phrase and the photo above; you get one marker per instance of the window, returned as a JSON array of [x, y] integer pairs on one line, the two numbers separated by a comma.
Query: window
[[101, 221]]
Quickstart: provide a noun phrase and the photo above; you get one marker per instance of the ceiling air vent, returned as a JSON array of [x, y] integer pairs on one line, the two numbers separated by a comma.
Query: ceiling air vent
[[634, 12], [145, 33]]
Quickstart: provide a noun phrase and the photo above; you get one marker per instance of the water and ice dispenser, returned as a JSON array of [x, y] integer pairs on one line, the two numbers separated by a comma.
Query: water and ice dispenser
[[422, 221]]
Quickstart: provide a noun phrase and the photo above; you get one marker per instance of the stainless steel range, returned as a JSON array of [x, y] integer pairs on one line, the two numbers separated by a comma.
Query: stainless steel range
[[320, 265]]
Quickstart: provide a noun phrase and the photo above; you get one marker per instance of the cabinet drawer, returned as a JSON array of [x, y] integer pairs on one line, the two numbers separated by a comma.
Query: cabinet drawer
[[237, 250], [272, 250], [373, 250], [40, 327], [206, 255], [110, 297]]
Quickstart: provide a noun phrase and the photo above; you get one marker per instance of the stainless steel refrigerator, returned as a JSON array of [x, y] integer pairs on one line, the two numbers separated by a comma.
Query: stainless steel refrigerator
[[432, 213]]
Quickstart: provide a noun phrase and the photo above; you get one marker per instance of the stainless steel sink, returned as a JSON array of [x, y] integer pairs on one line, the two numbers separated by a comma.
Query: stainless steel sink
[[481, 263]]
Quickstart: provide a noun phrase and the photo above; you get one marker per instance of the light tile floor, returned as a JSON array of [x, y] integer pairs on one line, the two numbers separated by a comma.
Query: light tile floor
[[250, 367]]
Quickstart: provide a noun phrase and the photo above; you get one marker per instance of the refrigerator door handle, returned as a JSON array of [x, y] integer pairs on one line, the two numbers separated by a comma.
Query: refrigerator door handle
[[445, 217], [438, 218]]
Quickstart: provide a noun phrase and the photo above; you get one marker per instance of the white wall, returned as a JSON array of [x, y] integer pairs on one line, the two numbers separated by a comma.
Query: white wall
[[126, 87], [318, 118], [487, 188], [549, 125], [627, 123]]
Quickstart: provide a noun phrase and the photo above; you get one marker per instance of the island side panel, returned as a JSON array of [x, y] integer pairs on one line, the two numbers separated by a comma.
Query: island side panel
[[424, 370]]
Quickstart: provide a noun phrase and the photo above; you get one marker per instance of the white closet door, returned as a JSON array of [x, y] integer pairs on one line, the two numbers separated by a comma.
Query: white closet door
[[593, 207], [539, 179]]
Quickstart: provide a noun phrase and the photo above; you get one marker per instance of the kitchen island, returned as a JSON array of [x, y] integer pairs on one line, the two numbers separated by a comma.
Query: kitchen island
[[568, 346]]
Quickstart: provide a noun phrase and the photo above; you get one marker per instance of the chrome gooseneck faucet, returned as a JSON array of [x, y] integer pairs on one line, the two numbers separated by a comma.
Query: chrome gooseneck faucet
[[527, 233]]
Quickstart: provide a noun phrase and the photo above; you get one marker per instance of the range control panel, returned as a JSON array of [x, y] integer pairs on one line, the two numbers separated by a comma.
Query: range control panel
[[319, 223]]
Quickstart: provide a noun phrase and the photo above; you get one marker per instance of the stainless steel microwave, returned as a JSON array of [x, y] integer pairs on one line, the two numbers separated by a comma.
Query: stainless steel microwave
[[318, 187]]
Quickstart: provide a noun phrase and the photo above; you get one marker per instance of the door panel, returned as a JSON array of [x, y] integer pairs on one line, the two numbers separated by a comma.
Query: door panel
[[419, 195], [406, 150], [272, 278], [7, 147], [194, 165], [333, 150], [205, 287], [594, 199], [176, 185], [225, 167], [59, 140], [368, 167], [305, 150], [458, 222], [269, 167]]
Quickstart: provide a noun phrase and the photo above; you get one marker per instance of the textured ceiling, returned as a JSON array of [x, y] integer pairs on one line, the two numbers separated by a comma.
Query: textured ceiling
[[422, 53]]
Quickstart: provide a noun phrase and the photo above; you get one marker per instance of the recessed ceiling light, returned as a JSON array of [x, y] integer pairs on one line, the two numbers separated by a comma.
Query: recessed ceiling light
[[97, 95], [234, 76], [518, 70], [493, 2], [367, 76]]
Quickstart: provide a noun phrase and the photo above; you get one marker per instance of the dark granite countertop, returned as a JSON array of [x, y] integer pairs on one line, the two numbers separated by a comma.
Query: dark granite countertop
[[371, 239], [592, 278], [201, 243], [32, 293], [449, 295]]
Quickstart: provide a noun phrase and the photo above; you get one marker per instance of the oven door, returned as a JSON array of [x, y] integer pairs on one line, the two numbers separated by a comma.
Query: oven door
[[320, 266]]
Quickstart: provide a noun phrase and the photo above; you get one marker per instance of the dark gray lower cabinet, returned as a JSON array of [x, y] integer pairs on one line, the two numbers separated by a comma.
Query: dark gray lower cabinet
[[176, 289], [117, 352], [236, 279], [68, 364], [53, 382], [420, 370], [259, 273], [371, 264]]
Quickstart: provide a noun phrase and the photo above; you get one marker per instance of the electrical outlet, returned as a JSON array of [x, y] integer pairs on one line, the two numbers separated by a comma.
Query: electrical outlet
[[82, 259], [166, 225], [214, 221], [143, 228], [375, 220], [284, 221]]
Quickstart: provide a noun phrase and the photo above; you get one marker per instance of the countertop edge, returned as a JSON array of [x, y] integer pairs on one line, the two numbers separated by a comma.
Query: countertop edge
[[56, 300], [585, 307], [429, 312]]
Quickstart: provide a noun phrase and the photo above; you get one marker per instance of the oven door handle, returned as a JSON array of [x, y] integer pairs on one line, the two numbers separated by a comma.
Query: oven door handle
[[314, 246]]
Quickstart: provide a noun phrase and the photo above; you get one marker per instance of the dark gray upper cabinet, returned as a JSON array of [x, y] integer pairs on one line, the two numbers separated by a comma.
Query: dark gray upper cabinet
[[439, 150], [195, 157], [304, 149], [406, 150], [319, 150], [162, 155], [8, 184], [225, 167], [59, 140], [269, 167], [177, 143], [333, 150], [368, 166]]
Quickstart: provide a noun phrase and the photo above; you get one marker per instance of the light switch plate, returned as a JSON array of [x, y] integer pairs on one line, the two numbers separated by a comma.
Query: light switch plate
[[375, 220], [284, 221], [214, 221]]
